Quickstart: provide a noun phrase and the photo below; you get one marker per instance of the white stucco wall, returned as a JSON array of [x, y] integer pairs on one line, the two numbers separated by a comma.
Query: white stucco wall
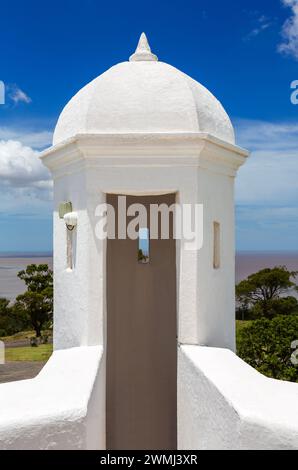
[[57, 409], [79, 297], [200, 170], [225, 404], [216, 287]]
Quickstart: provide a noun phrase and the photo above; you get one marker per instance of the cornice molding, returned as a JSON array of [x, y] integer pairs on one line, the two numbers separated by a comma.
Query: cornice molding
[[196, 149]]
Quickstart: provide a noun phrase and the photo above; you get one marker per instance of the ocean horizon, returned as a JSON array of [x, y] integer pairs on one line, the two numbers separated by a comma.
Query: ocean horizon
[[246, 263], [26, 254], [36, 254]]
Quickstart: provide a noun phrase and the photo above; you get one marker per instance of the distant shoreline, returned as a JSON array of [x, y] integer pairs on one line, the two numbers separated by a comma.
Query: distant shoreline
[[49, 254], [268, 252], [246, 263], [21, 254]]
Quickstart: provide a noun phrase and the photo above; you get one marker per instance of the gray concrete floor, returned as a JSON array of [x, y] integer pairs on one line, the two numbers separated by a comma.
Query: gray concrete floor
[[11, 371]]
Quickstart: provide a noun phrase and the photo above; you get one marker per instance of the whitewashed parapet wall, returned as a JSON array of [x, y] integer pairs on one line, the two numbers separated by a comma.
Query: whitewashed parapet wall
[[61, 408], [229, 405]]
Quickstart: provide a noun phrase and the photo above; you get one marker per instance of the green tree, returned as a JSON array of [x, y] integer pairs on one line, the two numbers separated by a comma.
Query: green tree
[[37, 277], [267, 346], [274, 307], [35, 306], [4, 317], [264, 292], [10, 323]]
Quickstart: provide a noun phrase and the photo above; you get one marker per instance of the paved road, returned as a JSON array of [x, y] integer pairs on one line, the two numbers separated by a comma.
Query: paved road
[[19, 370], [21, 343]]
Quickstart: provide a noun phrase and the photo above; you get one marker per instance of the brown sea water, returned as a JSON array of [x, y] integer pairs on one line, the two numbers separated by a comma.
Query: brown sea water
[[246, 263], [250, 262], [10, 284]]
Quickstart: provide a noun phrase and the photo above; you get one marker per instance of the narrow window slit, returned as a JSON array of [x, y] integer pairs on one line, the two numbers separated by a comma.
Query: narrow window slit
[[144, 246], [216, 245]]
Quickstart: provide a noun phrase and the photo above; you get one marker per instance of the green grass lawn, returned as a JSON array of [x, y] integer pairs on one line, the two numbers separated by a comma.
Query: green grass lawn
[[23, 335], [28, 353], [43, 352]]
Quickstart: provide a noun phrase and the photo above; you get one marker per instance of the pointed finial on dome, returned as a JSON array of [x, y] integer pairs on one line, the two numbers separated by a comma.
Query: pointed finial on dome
[[143, 51]]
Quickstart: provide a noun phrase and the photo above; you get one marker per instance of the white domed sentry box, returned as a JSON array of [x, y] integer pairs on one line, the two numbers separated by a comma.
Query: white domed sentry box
[[149, 134], [144, 324]]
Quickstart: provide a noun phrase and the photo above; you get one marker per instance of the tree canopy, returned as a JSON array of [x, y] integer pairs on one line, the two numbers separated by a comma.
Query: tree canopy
[[264, 292], [267, 345], [35, 306], [37, 277]]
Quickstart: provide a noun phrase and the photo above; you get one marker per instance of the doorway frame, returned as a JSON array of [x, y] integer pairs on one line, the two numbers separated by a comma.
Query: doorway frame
[[177, 265]]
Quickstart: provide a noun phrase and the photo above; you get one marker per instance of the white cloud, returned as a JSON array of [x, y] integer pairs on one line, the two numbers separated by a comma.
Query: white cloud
[[289, 45], [260, 216], [20, 165], [35, 139], [18, 96], [267, 186], [261, 23], [25, 183], [270, 176]]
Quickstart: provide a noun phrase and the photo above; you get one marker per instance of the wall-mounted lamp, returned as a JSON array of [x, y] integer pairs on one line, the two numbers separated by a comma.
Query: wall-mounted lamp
[[64, 208], [71, 220]]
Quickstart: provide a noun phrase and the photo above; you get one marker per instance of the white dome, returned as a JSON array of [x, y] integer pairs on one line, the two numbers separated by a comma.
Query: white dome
[[143, 96]]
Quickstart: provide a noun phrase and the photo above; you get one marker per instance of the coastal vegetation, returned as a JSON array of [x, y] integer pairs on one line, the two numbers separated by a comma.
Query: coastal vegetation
[[32, 309], [267, 322], [266, 325], [265, 294], [270, 346]]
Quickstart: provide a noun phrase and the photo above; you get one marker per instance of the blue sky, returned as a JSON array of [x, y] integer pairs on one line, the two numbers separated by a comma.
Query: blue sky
[[245, 52]]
